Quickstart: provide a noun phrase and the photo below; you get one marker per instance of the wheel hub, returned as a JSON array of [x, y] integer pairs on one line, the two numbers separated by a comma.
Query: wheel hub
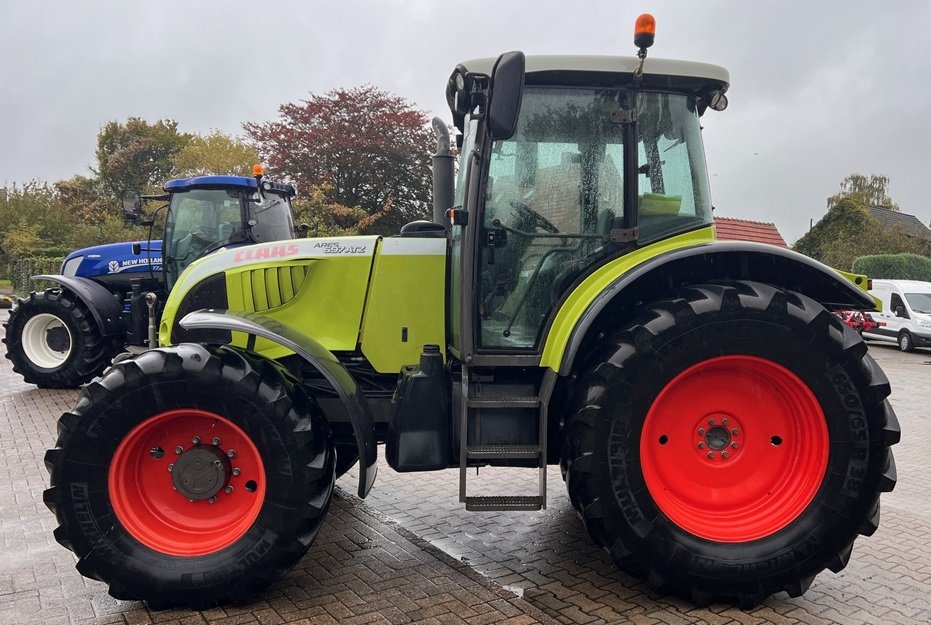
[[58, 339], [200, 472], [718, 436]]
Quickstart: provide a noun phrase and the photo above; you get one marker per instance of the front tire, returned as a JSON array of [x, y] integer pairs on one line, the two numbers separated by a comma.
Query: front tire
[[906, 343], [731, 443], [190, 476], [54, 342]]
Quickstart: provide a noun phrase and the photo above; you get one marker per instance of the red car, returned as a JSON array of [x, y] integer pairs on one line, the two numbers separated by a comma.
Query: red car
[[859, 320]]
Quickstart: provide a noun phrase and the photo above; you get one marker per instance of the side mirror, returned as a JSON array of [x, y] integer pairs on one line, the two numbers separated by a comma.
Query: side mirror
[[303, 229], [900, 312], [507, 89], [132, 205]]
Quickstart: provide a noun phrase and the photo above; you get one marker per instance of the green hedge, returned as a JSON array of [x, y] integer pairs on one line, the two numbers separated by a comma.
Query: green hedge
[[22, 268], [894, 267]]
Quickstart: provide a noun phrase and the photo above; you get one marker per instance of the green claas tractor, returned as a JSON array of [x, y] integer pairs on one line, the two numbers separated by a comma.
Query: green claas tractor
[[721, 433]]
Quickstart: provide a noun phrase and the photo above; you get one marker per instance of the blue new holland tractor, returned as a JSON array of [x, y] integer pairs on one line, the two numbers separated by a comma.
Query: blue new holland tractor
[[107, 299]]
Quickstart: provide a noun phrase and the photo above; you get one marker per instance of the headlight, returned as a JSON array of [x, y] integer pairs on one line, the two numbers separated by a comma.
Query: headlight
[[70, 267]]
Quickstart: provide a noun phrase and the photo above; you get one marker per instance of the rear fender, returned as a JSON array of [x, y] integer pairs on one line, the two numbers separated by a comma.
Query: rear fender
[[104, 307], [253, 324], [661, 274]]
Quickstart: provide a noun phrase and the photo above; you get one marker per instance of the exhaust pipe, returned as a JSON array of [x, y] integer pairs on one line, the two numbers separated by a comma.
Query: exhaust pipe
[[442, 173]]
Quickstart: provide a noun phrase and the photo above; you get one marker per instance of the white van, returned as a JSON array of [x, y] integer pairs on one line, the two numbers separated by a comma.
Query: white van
[[906, 312]]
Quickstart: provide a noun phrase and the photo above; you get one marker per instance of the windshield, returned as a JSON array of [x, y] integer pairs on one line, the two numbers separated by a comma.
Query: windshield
[[272, 216], [200, 221], [555, 192], [920, 302]]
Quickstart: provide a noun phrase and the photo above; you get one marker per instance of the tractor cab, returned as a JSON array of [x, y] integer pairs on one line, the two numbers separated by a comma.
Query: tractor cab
[[208, 213], [592, 158], [212, 212]]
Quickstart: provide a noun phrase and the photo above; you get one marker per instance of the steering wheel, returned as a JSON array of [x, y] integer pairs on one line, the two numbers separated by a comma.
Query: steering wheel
[[535, 219]]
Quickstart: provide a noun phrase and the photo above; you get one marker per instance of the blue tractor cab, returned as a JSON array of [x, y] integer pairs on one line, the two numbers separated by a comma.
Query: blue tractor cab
[[108, 297]]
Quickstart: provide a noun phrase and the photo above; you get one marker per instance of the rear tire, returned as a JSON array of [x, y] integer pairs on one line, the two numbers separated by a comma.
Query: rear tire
[[906, 343], [162, 525], [805, 466], [53, 341]]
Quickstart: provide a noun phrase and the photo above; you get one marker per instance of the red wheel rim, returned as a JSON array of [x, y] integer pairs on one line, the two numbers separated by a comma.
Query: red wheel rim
[[734, 448], [142, 483]]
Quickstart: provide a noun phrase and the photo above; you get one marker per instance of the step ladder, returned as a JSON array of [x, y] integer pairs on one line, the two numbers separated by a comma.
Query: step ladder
[[471, 404]]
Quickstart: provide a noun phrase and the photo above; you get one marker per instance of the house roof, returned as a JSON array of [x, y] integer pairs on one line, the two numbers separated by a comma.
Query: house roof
[[731, 229], [896, 221]]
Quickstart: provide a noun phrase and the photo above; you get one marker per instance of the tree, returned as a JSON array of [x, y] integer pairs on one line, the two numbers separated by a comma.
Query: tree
[[371, 148], [216, 153], [84, 200], [848, 231], [31, 217], [870, 191], [330, 219], [137, 155]]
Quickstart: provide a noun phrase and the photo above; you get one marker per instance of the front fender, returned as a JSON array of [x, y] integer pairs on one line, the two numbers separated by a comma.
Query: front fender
[[105, 308], [363, 424], [628, 282]]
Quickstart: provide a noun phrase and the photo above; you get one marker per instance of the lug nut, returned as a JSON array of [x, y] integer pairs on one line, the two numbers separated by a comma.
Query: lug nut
[[725, 455], [733, 445], [196, 440], [734, 431], [216, 441], [170, 467], [701, 431], [710, 421], [711, 454], [179, 450], [236, 471], [723, 421], [212, 500], [229, 489], [701, 445], [231, 453]]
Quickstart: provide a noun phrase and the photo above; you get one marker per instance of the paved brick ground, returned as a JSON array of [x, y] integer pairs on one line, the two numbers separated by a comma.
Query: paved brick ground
[[409, 554]]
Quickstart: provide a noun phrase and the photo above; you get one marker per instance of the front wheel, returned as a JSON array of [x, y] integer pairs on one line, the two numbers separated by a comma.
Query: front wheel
[[54, 342], [906, 343], [731, 443], [190, 476]]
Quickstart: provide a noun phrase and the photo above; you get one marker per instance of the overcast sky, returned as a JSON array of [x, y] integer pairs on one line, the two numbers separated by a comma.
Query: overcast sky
[[819, 90]]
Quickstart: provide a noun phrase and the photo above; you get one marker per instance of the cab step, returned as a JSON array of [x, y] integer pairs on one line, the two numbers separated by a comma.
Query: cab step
[[504, 502], [503, 452], [503, 402]]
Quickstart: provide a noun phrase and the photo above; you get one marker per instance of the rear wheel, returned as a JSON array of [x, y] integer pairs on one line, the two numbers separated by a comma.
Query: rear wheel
[[190, 476], [731, 443], [54, 342], [906, 344]]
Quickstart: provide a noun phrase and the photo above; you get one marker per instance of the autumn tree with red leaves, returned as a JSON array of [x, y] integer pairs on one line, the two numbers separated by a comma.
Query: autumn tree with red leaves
[[367, 148]]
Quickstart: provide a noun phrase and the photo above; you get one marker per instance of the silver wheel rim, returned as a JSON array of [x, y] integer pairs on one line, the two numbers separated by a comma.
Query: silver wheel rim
[[36, 345]]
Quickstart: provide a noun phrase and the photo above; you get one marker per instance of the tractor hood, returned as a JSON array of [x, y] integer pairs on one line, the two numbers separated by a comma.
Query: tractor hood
[[322, 282], [113, 258]]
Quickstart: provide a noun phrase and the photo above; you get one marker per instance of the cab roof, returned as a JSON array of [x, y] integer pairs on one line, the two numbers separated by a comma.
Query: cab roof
[[183, 184], [536, 64]]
